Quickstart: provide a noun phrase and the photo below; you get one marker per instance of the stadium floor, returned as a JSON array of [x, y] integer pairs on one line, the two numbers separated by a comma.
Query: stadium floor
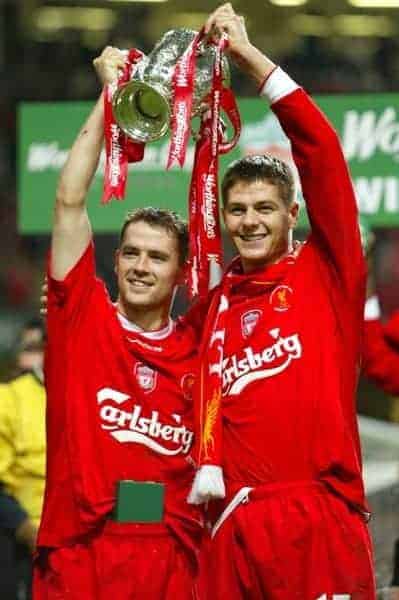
[[380, 442]]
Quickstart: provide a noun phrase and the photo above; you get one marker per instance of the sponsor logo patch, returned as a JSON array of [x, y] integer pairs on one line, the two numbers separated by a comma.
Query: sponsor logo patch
[[239, 370], [131, 424]]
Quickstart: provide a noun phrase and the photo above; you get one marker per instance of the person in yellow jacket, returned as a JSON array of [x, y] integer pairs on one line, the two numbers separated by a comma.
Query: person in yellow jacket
[[22, 460]]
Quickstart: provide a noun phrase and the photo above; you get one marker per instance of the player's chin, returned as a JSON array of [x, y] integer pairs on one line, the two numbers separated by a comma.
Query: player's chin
[[256, 253], [139, 298]]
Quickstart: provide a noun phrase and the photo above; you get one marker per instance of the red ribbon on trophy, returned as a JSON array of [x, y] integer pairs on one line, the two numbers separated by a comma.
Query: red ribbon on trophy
[[119, 149], [205, 248], [183, 88]]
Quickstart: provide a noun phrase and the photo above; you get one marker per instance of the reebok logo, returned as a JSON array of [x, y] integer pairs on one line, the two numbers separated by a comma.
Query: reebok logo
[[126, 426], [241, 370]]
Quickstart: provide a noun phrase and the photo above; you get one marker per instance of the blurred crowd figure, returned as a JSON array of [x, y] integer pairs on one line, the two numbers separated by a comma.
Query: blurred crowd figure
[[380, 364], [22, 462]]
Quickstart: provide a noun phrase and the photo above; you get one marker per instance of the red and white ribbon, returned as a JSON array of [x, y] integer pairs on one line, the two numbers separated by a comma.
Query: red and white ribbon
[[119, 149], [205, 247], [183, 88]]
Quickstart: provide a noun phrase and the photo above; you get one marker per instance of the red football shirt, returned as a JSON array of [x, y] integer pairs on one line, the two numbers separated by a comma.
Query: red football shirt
[[291, 355], [119, 407]]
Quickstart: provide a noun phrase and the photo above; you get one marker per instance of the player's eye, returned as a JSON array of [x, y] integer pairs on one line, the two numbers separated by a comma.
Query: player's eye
[[265, 208], [236, 210], [130, 252], [159, 257]]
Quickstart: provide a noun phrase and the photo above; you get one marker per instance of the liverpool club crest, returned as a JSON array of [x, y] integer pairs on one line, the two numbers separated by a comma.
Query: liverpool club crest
[[187, 384], [281, 298]]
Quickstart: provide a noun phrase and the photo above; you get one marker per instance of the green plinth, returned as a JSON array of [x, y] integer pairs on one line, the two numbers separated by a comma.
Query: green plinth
[[139, 502]]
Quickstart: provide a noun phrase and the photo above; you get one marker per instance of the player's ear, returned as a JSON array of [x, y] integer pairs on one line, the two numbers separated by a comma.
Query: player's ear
[[293, 214]]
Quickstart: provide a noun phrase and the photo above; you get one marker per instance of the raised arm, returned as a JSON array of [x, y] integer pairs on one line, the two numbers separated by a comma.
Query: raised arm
[[326, 185], [71, 227], [316, 149]]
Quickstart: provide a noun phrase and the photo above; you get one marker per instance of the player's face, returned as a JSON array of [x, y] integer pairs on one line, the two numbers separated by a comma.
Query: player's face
[[259, 222], [147, 267], [31, 353]]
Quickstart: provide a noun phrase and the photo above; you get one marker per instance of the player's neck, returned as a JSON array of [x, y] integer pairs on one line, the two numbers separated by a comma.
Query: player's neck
[[252, 267], [146, 318]]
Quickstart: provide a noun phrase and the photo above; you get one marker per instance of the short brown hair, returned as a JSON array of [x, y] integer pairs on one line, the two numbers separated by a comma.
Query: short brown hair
[[261, 167], [163, 219]]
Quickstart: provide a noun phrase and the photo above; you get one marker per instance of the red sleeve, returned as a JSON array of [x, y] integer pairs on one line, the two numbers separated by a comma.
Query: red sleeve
[[73, 292], [196, 315], [391, 329], [380, 360], [326, 187]]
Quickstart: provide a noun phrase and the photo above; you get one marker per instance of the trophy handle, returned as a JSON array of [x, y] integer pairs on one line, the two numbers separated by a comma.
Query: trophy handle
[[229, 107]]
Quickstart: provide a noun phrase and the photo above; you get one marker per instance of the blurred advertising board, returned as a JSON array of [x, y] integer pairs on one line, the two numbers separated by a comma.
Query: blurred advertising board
[[367, 124]]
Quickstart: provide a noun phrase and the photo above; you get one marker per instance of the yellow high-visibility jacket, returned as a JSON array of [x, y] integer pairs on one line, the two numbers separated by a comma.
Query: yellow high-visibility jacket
[[23, 441]]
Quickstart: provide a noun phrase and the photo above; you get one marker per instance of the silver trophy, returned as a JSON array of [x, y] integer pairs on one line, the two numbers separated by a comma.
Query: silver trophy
[[142, 107]]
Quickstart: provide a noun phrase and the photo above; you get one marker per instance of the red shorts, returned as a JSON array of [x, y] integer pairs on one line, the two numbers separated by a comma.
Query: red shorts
[[291, 542], [124, 562]]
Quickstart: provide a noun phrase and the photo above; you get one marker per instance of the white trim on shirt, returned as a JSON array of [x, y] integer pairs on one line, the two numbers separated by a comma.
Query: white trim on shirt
[[278, 85], [159, 334], [372, 309]]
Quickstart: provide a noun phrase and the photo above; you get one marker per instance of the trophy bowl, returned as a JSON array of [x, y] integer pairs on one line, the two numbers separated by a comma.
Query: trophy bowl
[[142, 107]]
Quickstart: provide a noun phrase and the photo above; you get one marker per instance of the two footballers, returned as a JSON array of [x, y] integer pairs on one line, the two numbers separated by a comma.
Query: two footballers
[[291, 322]]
